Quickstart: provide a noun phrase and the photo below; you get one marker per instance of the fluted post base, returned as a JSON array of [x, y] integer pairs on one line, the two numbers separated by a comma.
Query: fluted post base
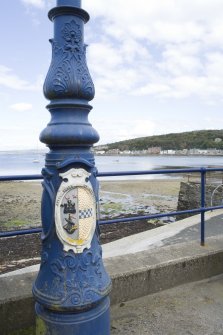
[[96, 321]]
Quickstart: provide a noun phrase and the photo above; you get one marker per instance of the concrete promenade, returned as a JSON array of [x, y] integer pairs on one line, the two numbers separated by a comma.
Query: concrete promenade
[[160, 269], [194, 308], [190, 309]]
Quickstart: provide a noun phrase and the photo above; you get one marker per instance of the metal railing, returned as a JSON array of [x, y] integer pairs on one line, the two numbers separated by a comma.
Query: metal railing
[[202, 209]]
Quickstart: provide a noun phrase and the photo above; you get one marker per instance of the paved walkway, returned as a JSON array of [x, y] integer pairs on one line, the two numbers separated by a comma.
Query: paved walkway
[[213, 227], [178, 232], [190, 309]]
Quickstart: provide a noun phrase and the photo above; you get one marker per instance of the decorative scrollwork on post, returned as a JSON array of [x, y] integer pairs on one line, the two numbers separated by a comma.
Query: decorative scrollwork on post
[[68, 76], [84, 286]]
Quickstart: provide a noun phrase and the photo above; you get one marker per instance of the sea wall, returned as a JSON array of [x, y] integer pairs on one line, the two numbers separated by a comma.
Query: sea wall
[[190, 196], [133, 276]]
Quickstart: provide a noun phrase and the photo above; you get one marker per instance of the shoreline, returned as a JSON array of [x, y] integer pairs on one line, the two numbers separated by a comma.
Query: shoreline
[[157, 155]]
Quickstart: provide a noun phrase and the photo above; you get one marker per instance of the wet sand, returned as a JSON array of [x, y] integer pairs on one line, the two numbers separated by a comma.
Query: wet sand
[[160, 194]]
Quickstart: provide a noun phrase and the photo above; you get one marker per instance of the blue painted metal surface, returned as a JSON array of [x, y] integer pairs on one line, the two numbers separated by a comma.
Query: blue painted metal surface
[[203, 176], [21, 177], [71, 289]]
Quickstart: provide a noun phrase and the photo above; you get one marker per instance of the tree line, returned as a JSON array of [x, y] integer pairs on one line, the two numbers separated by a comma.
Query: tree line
[[201, 139]]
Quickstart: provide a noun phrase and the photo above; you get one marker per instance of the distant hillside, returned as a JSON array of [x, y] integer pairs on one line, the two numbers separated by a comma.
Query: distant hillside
[[201, 139]]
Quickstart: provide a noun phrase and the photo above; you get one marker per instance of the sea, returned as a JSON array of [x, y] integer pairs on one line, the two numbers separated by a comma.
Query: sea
[[31, 162]]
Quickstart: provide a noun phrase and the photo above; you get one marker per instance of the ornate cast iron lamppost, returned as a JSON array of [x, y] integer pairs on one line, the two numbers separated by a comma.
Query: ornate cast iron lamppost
[[72, 286]]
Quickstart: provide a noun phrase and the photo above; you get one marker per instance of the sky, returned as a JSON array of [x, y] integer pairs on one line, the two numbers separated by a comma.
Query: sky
[[157, 67]]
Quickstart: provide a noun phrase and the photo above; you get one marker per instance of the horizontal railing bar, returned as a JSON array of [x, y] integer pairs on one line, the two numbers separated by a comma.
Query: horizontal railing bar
[[121, 173], [119, 220], [163, 171], [147, 217], [212, 208], [212, 169], [20, 232], [22, 177], [156, 216]]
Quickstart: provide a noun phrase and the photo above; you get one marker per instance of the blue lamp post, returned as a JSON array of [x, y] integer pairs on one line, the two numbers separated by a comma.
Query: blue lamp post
[[72, 287]]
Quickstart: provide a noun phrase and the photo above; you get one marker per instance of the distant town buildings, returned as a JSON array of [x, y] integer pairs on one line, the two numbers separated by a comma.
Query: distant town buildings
[[154, 151], [104, 150]]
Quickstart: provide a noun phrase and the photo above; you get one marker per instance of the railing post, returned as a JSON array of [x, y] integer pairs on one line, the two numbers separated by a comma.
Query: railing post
[[203, 182], [72, 286]]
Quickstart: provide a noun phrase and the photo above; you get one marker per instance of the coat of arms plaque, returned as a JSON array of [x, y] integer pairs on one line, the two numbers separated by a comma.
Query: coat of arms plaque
[[75, 211]]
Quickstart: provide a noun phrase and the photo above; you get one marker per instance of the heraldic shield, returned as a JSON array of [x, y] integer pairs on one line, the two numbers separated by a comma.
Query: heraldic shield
[[75, 211]]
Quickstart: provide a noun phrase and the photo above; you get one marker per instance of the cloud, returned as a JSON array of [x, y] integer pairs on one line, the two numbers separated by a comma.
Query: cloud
[[21, 106], [118, 66], [171, 49], [124, 129], [10, 80], [35, 3], [153, 89], [148, 11]]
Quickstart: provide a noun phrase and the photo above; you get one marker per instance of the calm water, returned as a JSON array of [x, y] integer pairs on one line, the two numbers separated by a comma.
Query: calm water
[[29, 162]]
